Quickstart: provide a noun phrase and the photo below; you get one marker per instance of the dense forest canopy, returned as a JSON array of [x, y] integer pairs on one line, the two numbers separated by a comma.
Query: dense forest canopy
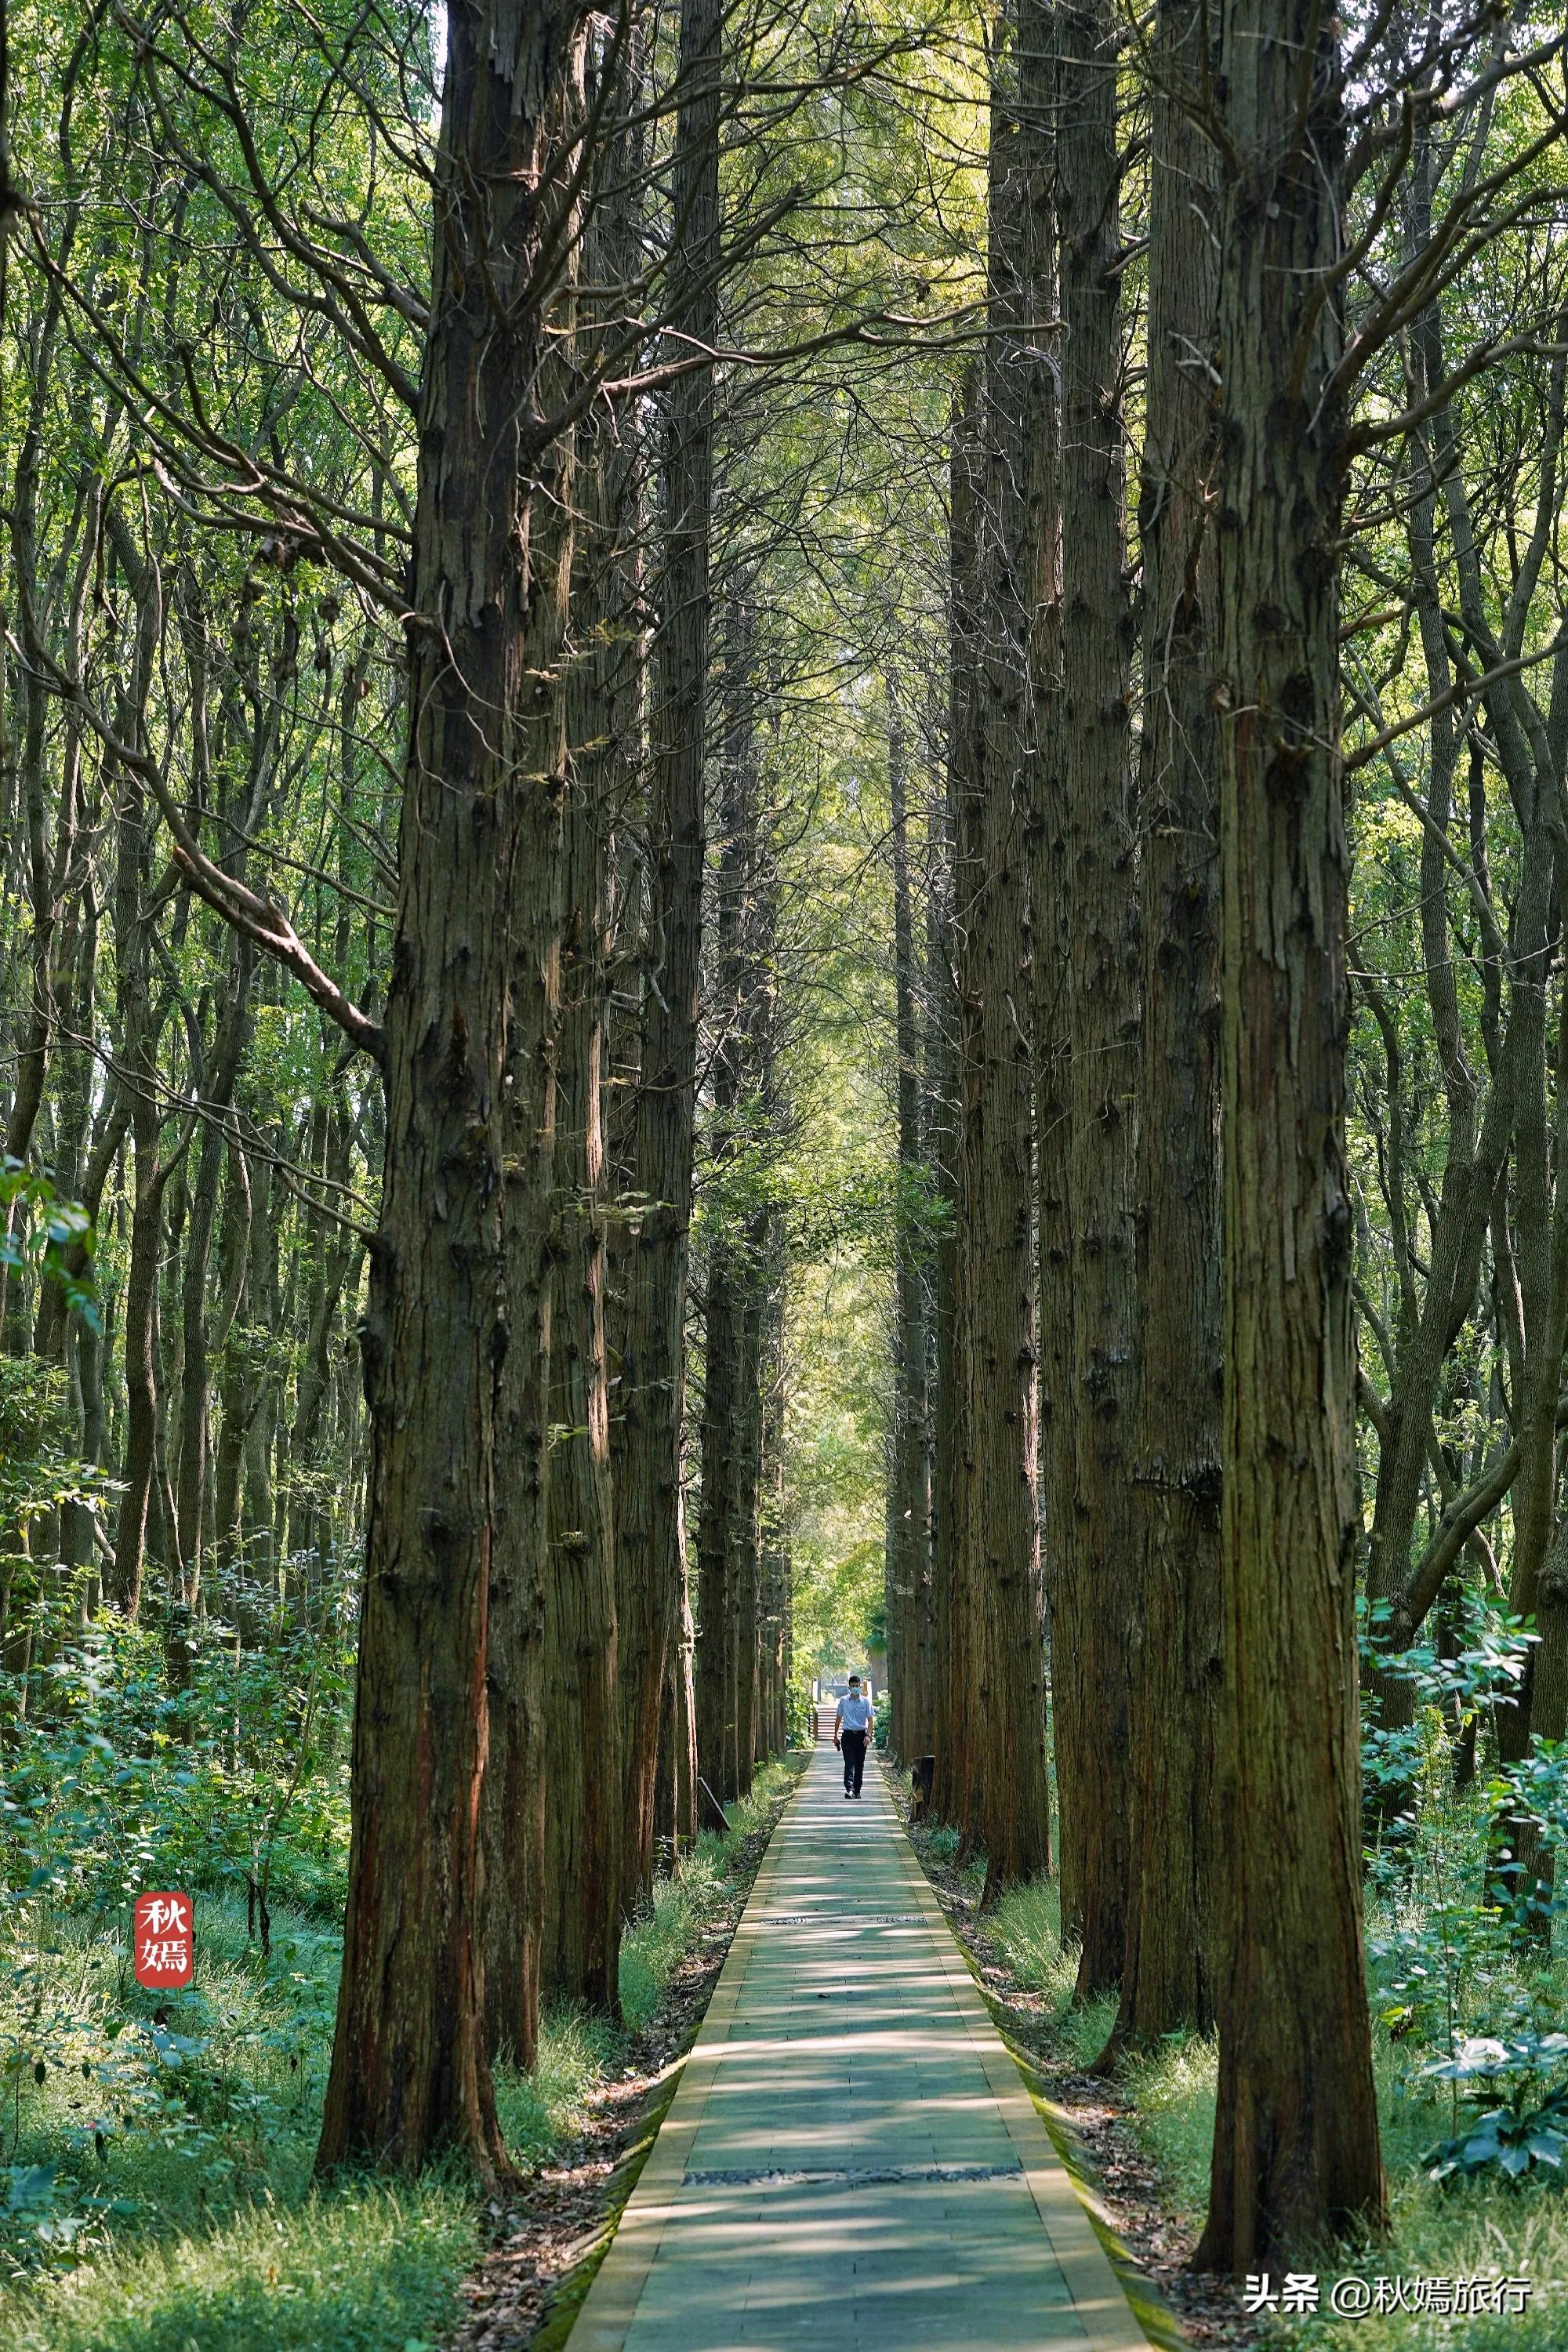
[[785, 825]]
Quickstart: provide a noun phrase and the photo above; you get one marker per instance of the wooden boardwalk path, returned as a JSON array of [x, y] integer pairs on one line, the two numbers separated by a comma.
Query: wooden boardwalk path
[[852, 2157]]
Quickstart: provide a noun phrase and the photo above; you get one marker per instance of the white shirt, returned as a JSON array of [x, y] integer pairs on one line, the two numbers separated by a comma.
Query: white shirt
[[854, 1713]]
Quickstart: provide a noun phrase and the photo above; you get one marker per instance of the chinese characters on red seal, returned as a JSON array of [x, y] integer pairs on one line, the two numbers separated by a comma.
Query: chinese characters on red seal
[[163, 1933]]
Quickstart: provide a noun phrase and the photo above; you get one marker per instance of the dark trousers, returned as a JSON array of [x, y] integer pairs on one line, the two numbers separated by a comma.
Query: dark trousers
[[854, 1745]]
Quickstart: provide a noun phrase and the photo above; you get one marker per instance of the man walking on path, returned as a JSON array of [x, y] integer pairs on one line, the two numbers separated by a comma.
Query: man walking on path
[[852, 1728]]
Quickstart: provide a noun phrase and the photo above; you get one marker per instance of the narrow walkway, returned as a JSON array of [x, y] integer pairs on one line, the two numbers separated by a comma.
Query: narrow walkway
[[852, 2157]]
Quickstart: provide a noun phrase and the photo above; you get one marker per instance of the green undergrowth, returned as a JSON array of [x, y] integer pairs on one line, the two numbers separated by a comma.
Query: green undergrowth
[[1437, 2232], [155, 2191]]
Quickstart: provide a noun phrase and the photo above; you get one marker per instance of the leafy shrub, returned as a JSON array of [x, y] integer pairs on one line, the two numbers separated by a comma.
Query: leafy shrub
[[1429, 1963], [113, 1782], [42, 1231], [1531, 1797], [1521, 2129], [1403, 1764]]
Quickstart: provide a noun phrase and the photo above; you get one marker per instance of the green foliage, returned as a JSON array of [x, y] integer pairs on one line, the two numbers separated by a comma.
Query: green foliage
[[835, 1603], [1531, 1797], [1440, 1959], [685, 1906], [1486, 2229], [367, 2268], [39, 1472], [113, 1782], [1436, 2234], [40, 1232], [1448, 1689], [148, 2107], [1025, 1927], [156, 2149], [1430, 1965], [1522, 2128]]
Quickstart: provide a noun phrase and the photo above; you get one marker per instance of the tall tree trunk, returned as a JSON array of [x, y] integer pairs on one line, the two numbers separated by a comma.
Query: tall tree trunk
[[722, 1629], [83, 1157], [1525, 1865], [909, 1561], [167, 1345], [194, 1488], [1530, 756], [139, 1020], [584, 1808], [745, 1558], [513, 1802], [713, 1663], [1472, 1162], [1296, 2154], [758, 1036], [61, 1336], [138, 1047], [1168, 1971], [326, 1261], [265, 1316], [1541, 1312], [47, 864], [775, 1528], [1013, 1815], [676, 1806], [1050, 868], [653, 1364], [463, 1194], [605, 725], [953, 1587], [235, 1389], [1094, 1612]]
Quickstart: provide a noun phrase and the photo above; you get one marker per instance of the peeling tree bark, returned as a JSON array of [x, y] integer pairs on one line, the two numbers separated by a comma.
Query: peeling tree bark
[[1095, 1594], [1296, 2155], [484, 778], [652, 1391], [1168, 1965], [953, 1588], [996, 1221], [908, 1546]]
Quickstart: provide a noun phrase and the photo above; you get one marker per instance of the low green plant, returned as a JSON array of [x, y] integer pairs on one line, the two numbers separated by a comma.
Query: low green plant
[[366, 2267], [1024, 1929], [1428, 1964], [1522, 2127], [940, 1845]]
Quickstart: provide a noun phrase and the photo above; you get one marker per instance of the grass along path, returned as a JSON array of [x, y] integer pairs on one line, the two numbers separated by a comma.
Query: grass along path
[[1148, 2133], [156, 2177]]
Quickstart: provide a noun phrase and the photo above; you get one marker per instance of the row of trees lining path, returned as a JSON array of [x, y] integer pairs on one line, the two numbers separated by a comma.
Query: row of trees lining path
[[451, 500]]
